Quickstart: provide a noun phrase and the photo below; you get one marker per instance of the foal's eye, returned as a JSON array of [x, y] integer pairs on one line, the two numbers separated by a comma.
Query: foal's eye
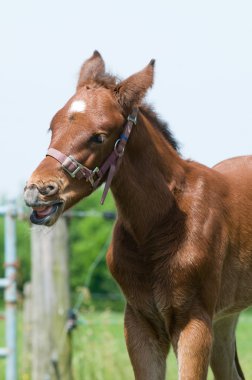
[[98, 139]]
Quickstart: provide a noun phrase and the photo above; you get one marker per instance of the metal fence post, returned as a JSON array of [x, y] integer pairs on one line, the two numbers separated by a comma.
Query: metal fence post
[[10, 295]]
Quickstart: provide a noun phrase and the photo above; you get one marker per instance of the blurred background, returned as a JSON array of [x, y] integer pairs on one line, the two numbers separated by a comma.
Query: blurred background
[[203, 89]]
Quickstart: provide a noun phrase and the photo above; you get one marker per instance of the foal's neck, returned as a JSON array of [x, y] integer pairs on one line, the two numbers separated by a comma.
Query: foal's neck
[[150, 174]]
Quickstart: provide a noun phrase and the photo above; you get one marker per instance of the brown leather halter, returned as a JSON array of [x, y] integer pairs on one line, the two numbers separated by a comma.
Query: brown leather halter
[[76, 170]]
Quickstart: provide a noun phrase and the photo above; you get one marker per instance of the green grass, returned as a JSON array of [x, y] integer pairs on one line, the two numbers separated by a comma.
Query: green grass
[[99, 351]]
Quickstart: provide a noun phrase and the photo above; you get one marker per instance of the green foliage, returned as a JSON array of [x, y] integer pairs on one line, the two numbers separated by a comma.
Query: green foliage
[[89, 239], [1, 246], [23, 252]]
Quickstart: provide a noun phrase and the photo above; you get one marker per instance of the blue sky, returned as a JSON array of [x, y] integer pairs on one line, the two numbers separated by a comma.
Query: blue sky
[[203, 81]]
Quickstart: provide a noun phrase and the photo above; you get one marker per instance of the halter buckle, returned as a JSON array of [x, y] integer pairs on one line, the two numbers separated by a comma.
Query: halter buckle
[[132, 117], [71, 160], [92, 175]]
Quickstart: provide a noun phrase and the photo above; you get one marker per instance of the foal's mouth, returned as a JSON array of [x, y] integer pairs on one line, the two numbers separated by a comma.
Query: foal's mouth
[[47, 214]]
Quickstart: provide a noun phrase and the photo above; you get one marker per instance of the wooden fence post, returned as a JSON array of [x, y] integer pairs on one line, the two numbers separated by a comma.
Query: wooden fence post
[[51, 345]]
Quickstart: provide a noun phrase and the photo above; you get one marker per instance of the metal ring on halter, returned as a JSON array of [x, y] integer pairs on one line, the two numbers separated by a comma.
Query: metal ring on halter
[[119, 154]]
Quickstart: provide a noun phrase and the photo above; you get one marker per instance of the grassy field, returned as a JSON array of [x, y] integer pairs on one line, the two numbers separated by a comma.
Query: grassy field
[[100, 353]]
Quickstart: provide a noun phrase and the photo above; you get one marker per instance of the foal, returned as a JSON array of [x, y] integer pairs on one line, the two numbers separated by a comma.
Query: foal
[[182, 244]]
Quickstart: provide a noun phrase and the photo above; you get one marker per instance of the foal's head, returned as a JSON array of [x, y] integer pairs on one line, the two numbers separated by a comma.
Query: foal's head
[[86, 128]]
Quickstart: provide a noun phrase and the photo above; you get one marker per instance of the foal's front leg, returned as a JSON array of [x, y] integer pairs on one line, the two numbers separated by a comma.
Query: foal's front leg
[[192, 344], [146, 349]]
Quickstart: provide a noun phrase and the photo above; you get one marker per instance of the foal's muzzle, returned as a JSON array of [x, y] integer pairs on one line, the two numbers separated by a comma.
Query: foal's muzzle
[[34, 192], [45, 212]]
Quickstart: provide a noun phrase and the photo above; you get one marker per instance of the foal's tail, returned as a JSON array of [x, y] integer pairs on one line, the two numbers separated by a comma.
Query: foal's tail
[[238, 366]]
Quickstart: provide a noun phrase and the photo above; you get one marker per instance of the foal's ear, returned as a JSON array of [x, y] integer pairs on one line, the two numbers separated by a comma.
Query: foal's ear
[[132, 90], [91, 68]]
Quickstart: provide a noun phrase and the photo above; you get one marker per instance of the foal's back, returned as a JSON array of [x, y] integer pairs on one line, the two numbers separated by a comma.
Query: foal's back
[[236, 167], [238, 174]]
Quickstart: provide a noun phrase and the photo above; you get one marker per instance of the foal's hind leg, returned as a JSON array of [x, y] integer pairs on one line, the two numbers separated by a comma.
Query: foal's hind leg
[[224, 359], [147, 350]]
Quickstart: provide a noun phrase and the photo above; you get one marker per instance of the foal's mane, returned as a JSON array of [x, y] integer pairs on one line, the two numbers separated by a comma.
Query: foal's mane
[[110, 81], [160, 125]]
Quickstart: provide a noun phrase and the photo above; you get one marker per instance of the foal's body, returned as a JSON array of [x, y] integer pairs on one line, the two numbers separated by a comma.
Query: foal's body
[[193, 266], [182, 244]]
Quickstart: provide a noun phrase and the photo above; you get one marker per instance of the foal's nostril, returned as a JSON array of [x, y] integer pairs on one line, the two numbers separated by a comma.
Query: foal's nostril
[[49, 189]]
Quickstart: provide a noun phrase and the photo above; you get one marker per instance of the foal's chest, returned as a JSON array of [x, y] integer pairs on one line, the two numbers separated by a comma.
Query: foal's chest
[[154, 281], [143, 283]]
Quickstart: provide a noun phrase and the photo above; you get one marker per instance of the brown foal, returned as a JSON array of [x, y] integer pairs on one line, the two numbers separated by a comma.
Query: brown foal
[[182, 244]]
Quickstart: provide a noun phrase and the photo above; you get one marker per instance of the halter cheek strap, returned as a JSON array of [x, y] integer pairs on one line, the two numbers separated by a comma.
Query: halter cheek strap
[[76, 170]]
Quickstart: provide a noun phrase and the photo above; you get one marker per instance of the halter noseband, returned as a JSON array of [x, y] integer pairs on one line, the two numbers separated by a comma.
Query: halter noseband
[[76, 170]]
